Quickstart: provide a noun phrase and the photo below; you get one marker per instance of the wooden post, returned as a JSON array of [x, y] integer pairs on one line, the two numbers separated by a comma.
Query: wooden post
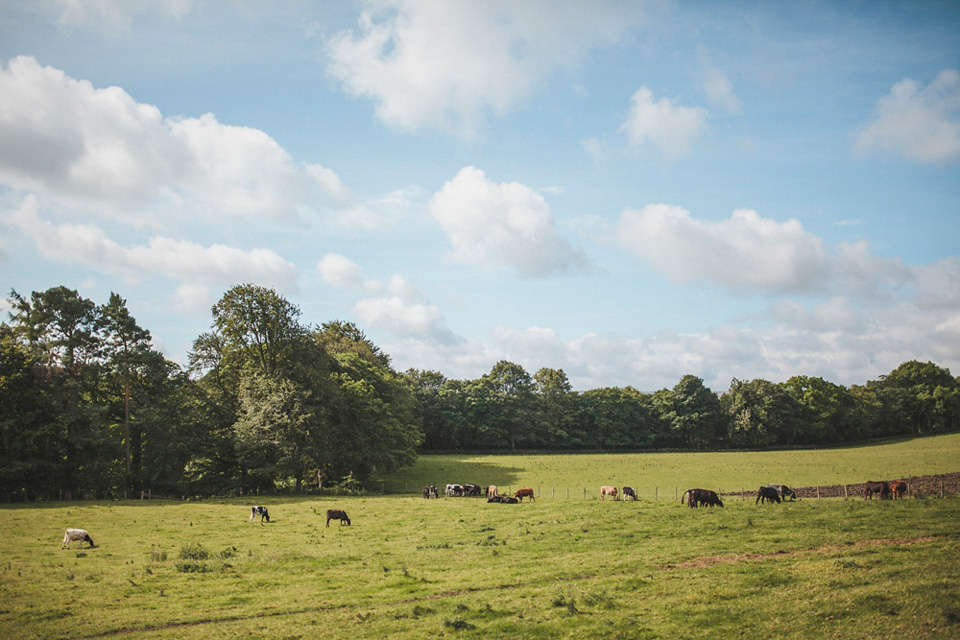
[[818, 493], [941, 488], [568, 493], [656, 493], [741, 494], [675, 492], [845, 492]]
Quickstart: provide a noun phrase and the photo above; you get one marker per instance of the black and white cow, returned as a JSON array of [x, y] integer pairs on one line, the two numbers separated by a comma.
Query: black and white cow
[[76, 535], [259, 511], [784, 491]]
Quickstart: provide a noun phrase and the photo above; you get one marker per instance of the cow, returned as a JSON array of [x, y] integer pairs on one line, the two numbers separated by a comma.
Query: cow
[[520, 494], [76, 535], [898, 488], [337, 514], [472, 490], [259, 511], [454, 490], [701, 497], [430, 492], [784, 491], [496, 499], [880, 488], [492, 491], [767, 494], [509, 500], [628, 491], [608, 491]]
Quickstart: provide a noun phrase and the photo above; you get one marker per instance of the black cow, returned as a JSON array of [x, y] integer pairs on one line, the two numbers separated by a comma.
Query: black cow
[[495, 499], [701, 497], [767, 493], [472, 490], [879, 488], [629, 492], [337, 514], [259, 511], [784, 491], [508, 500], [430, 492]]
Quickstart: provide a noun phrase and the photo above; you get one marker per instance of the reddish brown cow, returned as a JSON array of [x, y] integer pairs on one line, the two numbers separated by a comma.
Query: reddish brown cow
[[898, 487], [871, 488], [608, 491], [520, 494], [337, 514]]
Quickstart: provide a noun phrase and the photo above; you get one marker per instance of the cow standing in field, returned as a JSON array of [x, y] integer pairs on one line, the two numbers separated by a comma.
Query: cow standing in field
[[628, 491], [767, 494], [881, 489], [454, 490], [76, 535], [259, 511], [701, 497], [337, 514], [520, 494], [430, 492], [492, 491], [608, 491], [898, 488], [784, 491], [472, 490]]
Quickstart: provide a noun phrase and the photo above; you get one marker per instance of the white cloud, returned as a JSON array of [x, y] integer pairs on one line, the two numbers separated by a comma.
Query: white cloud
[[919, 122], [432, 63], [506, 224], [187, 261], [101, 150], [113, 16], [750, 253], [717, 85], [341, 272], [669, 127]]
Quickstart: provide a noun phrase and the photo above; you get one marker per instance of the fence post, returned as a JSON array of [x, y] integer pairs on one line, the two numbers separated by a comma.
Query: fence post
[[568, 493], [941, 488], [845, 495], [818, 493], [554, 495], [584, 493], [656, 494], [741, 494], [675, 492]]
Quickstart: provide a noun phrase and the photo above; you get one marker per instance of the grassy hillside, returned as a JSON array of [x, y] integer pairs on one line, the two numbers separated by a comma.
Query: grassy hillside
[[411, 568], [727, 470]]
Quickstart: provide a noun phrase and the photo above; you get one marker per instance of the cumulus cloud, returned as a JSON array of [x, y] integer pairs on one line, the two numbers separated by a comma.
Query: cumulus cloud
[[669, 127], [919, 122], [397, 307], [750, 253], [66, 140], [451, 64], [188, 261], [504, 224]]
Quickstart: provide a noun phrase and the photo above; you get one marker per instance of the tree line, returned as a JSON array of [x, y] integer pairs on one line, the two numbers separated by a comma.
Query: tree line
[[88, 408]]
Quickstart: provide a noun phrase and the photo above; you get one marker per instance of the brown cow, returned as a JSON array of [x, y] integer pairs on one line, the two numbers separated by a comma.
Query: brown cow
[[880, 488], [608, 491], [337, 514], [520, 494], [701, 497], [898, 487]]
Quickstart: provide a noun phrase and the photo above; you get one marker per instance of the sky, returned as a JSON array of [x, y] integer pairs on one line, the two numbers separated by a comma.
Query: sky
[[627, 191]]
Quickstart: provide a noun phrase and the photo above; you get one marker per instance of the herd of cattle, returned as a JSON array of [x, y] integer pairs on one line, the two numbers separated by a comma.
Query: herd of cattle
[[693, 497]]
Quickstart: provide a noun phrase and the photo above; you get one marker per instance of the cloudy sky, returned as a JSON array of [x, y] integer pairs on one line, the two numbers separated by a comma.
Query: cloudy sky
[[628, 191]]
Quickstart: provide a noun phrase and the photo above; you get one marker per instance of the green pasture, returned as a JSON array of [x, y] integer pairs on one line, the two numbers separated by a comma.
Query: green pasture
[[462, 568], [660, 474]]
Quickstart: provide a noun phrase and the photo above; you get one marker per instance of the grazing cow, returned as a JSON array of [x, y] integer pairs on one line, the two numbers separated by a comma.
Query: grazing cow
[[701, 497], [520, 494], [880, 488], [454, 490], [472, 490], [608, 491], [492, 491], [509, 500], [430, 492], [628, 491], [259, 511], [337, 514], [767, 493], [784, 491], [898, 487], [78, 535]]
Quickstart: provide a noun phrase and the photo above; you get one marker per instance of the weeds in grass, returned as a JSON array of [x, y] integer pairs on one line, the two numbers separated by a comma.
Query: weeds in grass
[[459, 625], [194, 551]]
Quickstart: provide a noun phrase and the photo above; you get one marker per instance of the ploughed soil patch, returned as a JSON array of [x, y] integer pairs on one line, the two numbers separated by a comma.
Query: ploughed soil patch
[[917, 487]]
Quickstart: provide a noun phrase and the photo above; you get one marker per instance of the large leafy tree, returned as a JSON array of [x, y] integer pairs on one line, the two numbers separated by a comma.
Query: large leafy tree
[[762, 414], [693, 413], [555, 403]]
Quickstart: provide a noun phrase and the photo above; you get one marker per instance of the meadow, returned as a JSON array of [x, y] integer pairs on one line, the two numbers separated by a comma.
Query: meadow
[[459, 567]]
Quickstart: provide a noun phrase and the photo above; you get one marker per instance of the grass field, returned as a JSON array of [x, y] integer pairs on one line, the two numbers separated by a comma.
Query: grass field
[[661, 474], [459, 567]]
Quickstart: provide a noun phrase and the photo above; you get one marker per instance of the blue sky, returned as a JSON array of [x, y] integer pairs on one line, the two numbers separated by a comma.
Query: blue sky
[[627, 191]]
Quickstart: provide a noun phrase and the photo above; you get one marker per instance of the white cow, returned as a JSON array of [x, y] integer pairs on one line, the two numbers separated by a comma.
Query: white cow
[[79, 535]]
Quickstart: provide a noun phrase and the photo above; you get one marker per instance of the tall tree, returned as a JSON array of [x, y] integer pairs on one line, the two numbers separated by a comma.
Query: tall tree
[[513, 393]]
